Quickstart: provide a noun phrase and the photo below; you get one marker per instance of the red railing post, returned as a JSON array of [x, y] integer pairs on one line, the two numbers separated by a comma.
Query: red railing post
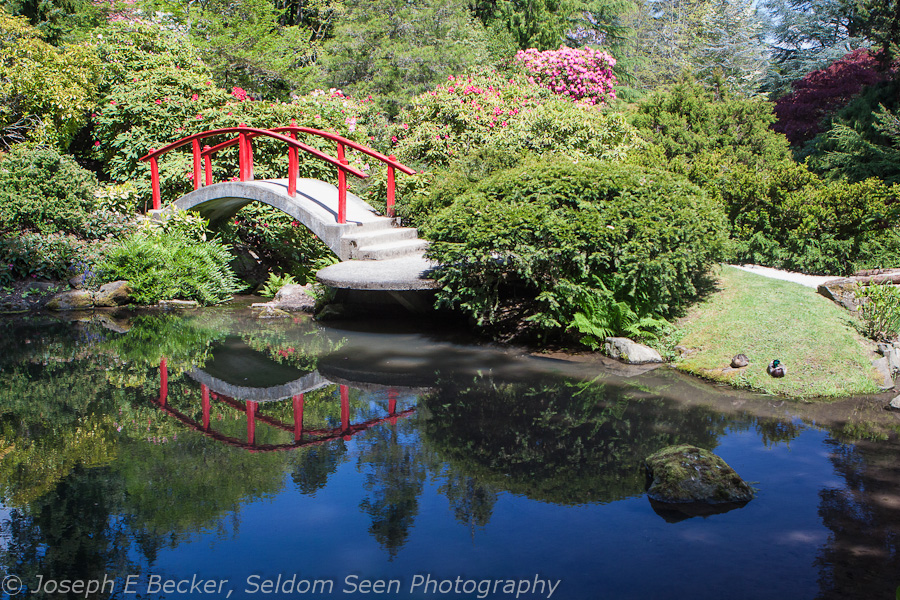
[[154, 181], [204, 398], [242, 155], [342, 193], [195, 147], [391, 187], [293, 163], [163, 381], [207, 165], [345, 411], [392, 405], [249, 154], [251, 421], [293, 170], [298, 417], [340, 151]]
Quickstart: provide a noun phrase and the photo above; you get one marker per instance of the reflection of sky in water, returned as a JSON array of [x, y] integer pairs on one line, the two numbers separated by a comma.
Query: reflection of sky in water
[[399, 480], [618, 550]]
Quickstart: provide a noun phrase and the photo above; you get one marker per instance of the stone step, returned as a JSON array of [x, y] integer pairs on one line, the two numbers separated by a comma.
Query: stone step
[[391, 250], [352, 243], [375, 224]]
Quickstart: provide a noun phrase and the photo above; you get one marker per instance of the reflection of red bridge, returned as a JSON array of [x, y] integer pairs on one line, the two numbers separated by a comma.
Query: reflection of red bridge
[[302, 436]]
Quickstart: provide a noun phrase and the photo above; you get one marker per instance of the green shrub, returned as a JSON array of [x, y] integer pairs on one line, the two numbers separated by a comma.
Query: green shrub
[[790, 218], [537, 242], [511, 115], [880, 311], [163, 267], [44, 191], [42, 256], [690, 121]]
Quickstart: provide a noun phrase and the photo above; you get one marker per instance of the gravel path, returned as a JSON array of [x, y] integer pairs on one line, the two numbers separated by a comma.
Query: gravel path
[[812, 281]]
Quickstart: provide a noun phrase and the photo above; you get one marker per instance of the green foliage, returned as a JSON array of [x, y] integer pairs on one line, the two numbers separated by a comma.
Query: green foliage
[[864, 138], [281, 242], [45, 191], [505, 114], [719, 41], [59, 21], [691, 121], [788, 217], [129, 47], [186, 224], [275, 283], [393, 49], [879, 309], [531, 243], [540, 24], [262, 55], [40, 256], [45, 92], [164, 267], [602, 316]]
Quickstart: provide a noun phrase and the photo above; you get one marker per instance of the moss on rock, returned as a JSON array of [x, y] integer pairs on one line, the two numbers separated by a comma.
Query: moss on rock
[[689, 474]]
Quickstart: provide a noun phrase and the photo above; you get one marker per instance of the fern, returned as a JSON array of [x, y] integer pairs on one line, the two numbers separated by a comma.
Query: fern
[[275, 283], [603, 316]]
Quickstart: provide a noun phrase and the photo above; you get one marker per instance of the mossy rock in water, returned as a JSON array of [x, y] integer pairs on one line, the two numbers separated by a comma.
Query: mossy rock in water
[[690, 474]]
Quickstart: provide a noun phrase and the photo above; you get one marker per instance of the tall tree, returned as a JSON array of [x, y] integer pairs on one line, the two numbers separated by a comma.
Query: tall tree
[[716, 40], [808, 35], [732, 52], [880, 19], [395, 49]]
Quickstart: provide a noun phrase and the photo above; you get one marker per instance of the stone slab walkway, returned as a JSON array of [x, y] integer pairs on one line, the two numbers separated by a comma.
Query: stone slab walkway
[[812, 281]]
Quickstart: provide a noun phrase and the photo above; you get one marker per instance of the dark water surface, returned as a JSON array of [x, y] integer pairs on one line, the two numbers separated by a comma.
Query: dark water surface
[[214, 455]]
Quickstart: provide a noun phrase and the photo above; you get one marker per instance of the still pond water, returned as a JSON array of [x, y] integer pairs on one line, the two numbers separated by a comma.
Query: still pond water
[[214, 455]]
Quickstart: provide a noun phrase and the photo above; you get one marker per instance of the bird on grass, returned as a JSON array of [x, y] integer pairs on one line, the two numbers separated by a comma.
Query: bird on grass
[[776, 369]]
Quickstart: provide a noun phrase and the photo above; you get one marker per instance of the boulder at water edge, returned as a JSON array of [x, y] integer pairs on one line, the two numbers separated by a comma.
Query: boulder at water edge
[[115, 293], [631, 352], [684, 473], [72, 300]]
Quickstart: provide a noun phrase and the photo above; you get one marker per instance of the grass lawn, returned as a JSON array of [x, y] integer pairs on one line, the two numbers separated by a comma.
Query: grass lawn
[[767, 319]]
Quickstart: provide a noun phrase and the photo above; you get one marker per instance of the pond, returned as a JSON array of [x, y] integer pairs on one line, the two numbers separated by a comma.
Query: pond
[[211, 454]]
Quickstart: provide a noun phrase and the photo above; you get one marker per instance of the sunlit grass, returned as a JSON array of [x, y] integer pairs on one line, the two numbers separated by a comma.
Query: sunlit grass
[[767, 319]]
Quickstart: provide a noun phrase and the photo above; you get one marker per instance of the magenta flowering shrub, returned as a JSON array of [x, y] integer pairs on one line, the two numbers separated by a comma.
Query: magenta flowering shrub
[[513, 115], [583, 74]]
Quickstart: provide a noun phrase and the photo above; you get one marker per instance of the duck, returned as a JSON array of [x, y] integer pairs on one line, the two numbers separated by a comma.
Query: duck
[[776, 369], [739, 361]]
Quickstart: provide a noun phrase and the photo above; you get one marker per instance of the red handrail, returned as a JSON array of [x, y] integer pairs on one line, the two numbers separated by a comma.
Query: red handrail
[[244, 139]]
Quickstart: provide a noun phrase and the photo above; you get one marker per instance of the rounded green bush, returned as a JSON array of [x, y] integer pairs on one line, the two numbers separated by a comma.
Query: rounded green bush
[[541, 241], [44, 191]]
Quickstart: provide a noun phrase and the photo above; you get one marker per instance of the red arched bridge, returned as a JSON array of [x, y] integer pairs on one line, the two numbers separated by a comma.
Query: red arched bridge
[[343, 221]]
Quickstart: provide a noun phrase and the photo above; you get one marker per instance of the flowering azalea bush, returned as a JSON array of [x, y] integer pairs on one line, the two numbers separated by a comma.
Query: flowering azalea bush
[[582, 74], [490, 110]]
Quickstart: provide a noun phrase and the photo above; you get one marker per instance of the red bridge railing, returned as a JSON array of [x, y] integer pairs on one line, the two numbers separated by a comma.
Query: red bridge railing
[[302, 435], [244, 141]]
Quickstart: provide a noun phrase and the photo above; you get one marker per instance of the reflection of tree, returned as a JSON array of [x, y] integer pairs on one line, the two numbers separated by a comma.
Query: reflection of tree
[[862, 556], [313, 465], [775, 431], [394, 478], [472, 503], [68, 533], [557, 441]]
